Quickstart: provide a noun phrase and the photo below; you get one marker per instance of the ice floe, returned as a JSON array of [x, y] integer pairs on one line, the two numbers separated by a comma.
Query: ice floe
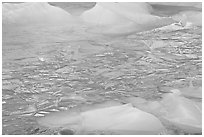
[[123, 18], [189, 17], [193, 4], [176, 110], [33, 13], [106, 18], [118, 119], [182, 112]]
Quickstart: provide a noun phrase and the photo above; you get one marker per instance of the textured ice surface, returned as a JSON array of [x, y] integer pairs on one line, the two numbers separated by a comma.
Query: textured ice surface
[[52, 69]]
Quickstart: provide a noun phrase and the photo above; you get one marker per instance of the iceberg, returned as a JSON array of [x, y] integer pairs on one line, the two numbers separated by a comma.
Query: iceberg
[[34, 13], [122, 18], [119, 119]]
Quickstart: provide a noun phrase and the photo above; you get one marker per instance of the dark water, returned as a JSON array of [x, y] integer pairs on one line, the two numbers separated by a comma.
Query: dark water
[[47, 69]]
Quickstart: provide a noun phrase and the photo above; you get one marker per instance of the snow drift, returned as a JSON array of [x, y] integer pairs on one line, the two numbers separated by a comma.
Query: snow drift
[[33, 13]]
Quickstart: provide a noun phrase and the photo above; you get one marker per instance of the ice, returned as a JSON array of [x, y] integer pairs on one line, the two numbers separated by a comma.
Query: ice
[[191, 92], [123, 18], [122, 118], [173, 109], [187, 4], [34, 13], [192, 17], [119, 118], [90, 55], [135, 101], [182, 112]]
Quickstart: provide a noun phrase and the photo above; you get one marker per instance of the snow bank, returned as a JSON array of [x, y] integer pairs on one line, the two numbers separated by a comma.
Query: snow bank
[[118, 18], [33, 13]]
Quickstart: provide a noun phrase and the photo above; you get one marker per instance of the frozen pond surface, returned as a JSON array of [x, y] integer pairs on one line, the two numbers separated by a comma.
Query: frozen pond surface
[[47, 69]]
